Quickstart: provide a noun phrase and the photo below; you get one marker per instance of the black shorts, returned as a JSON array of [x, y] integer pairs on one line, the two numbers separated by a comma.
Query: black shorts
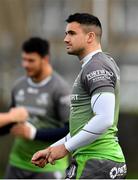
[[13, 172], [96, 169]]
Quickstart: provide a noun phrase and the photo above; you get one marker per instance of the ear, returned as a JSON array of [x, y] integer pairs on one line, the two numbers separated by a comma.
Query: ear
[[91, 37], [46, 58]]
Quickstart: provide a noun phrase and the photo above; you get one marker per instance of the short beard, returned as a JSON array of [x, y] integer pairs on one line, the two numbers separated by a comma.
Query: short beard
[[77, 52], [36, 76]]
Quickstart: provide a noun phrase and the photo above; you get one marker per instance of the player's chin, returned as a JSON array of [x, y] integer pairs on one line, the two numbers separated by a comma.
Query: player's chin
[[70, 52], [30, 74]]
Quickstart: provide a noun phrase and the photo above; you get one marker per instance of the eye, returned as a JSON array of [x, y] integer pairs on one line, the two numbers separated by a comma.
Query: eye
[[28, 60], [70, 33], [31, 60]]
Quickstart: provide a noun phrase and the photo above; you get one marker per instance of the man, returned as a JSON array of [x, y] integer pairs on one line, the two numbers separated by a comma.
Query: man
[[19, 114], [94, 108], [46, 97]]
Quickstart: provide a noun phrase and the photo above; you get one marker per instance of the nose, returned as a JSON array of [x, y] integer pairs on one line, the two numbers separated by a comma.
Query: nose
[[24, 64], [66, 39]]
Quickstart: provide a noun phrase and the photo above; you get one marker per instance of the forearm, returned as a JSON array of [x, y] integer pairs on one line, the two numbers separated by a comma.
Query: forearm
[[51, 134], [62, 141], [6, 129], [5, 119], [48, 134]]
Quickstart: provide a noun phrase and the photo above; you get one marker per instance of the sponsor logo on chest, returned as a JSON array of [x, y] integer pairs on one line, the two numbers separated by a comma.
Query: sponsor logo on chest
[[20, 96], [42, 99], [31, 90], [99, 75], [38, 98], [74, 97]]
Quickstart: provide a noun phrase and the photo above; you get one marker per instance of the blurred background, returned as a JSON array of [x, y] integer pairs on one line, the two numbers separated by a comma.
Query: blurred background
[[21, 19]]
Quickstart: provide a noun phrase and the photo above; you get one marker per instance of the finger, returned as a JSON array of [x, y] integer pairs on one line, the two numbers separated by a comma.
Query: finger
[[47, 154], [43, 163], [36, 156], [40, 154], [15, 131], [15, 127], [51, 160], [38, 161]]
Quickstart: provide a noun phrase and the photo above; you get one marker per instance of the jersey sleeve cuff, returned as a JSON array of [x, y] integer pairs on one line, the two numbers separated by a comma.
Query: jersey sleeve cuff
[[33, 130]]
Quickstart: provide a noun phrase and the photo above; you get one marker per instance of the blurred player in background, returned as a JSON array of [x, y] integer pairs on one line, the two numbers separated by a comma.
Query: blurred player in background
[[45, 95], [19, 114], [94, 108]]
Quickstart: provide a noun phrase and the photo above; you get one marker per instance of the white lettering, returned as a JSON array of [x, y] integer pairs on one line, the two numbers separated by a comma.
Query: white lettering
[[74, 97], [103, 74]]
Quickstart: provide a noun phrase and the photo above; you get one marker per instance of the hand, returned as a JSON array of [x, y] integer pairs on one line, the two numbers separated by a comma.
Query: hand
[[40, 157], [49, 155], [18, 114], [21, 130], [57, 152]]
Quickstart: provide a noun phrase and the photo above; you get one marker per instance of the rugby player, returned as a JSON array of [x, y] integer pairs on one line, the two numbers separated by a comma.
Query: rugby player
[[45, 95], [94, 108]]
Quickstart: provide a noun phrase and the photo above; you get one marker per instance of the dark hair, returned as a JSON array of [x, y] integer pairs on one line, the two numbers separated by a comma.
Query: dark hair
[[84, 18], [36, 44], [88, 20]]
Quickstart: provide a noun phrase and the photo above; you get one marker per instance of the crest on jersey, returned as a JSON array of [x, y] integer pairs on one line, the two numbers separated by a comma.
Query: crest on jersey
[[20, 95], [42, 99]]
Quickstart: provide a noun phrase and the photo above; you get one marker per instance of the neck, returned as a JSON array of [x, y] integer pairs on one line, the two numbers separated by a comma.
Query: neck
[[89, 50], [46, 72]]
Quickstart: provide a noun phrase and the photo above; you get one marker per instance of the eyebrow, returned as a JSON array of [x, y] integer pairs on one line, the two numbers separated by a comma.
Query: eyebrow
[[70, 32]]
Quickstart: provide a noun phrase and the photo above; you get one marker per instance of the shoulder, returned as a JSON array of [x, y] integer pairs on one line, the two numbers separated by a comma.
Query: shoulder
[[20, 81], [92, 66], [101, 68], [60, 86], [59, 81], [97, 61], [100, 63], [105, 60]]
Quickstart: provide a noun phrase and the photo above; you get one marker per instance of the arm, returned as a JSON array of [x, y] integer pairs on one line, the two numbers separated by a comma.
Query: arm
[[16, 114], [6, 129], [52, 134], [103, 105], [5, 118], [28, 131]]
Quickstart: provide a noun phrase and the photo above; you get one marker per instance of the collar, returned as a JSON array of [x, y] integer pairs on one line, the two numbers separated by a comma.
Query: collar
[[40, 84], [87, 58]]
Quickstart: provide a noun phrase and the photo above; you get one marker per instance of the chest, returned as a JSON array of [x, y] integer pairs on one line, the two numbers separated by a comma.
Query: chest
[[79, 93], [34, 98]]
